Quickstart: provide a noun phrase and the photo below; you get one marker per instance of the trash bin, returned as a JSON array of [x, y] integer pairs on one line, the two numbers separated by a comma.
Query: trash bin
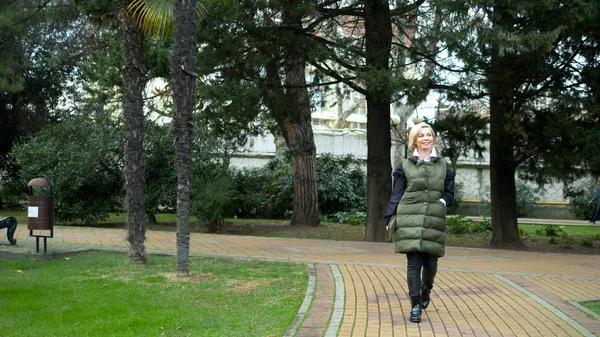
[[40, 213]]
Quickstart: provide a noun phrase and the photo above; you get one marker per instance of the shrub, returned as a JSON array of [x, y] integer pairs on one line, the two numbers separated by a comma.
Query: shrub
[[250, 199], [458, 197], [458, 224], [567, 240], [161, 175], [268, 192], [525, 199], [209, 202], [551, 230], [351, 218], [12, 195], [587, 243], [341, 184], [486, 224], [83, 159], [579, 195]]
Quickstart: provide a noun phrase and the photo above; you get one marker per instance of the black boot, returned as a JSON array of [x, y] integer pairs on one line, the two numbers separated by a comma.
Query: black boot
[[425, 295], [415, 313]]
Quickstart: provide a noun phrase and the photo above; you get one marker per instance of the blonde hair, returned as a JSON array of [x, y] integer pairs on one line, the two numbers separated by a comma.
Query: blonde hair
[[414, 134]]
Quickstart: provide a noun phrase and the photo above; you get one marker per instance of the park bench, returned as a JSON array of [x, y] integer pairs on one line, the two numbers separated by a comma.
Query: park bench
[[10, 223]]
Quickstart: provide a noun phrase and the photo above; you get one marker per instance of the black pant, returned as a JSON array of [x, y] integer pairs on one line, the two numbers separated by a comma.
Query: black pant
[[417, 261]]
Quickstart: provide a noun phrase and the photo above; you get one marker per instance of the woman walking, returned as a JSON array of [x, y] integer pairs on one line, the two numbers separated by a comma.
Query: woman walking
[[423, 189]]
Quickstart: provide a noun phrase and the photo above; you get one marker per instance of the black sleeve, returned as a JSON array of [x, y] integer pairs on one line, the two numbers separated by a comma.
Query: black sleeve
[[397, 191], [448, 194]]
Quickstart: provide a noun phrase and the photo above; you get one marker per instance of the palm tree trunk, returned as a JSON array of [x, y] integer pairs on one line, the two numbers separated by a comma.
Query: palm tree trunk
[[135, 166], [183, 83]]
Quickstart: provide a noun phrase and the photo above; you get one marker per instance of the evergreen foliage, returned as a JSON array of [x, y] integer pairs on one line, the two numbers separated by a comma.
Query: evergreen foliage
[[463, 132], [38, 53], [82, 157], [579, 195], [267, 192]]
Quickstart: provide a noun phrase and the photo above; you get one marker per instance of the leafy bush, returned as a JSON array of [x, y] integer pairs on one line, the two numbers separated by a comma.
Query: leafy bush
[[486, 224], [565, 240], [268, 192], [83, 159], [525, 199], [459, 224], [161, 175], [210, 200], [579, 195], [587, 243], [351, 218], [250, 199], [458, 197], [551, 230], [341, 184], [12, 195]]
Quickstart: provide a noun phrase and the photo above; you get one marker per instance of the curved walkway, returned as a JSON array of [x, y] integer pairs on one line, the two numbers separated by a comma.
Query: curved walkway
[[359, 288]]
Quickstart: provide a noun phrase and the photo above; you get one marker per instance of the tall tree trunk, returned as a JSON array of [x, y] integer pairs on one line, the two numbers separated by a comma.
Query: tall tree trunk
[[135, 165], [183, 84], [505, 231], [298, 128], [280, 143], [378, 33]]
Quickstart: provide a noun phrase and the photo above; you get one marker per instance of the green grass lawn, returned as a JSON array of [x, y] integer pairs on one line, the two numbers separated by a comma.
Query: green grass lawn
[[103, 294], [569, 230], [593, 306]]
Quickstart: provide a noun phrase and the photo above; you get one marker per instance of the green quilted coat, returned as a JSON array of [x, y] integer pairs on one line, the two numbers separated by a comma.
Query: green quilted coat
[[421, 216]]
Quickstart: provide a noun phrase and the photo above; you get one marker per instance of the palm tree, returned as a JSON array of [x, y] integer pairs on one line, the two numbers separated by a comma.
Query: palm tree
[[183, 82], [159, 17], [135, 167]]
